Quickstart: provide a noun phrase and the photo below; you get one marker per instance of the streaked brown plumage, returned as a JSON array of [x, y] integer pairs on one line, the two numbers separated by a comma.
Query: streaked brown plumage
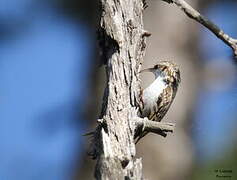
[[159, 95]]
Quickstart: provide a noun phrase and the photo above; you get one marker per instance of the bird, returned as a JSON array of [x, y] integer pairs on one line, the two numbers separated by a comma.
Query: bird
[[157, 98]]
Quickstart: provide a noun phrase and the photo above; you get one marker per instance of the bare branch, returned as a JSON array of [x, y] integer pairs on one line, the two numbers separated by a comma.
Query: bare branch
[[159, 128], [194, 14]]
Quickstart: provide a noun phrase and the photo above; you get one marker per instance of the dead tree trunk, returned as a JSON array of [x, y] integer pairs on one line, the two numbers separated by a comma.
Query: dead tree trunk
[[122, 41]]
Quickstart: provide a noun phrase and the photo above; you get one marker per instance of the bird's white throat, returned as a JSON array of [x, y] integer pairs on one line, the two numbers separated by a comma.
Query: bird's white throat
[[155, 89]]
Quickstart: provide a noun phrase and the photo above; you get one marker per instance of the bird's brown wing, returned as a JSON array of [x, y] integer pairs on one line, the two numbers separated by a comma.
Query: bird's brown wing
[[163, 104]]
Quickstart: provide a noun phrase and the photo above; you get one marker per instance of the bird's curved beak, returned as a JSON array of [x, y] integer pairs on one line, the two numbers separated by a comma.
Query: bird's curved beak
[[146, 70]]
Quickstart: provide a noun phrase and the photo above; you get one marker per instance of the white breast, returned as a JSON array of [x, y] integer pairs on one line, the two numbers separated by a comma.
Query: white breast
[[152, 92]]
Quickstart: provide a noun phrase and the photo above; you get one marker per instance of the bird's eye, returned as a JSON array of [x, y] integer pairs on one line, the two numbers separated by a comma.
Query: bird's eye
[[164, 68]]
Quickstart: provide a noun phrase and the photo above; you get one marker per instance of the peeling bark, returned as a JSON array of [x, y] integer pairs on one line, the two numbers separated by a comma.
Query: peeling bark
[[122, 42]]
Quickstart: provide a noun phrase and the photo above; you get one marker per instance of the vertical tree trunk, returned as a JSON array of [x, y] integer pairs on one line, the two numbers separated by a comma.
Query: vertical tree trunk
[[122, 40]]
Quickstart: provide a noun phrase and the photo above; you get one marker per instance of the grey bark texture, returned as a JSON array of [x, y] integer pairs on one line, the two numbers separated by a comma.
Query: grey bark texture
[[122, 42]]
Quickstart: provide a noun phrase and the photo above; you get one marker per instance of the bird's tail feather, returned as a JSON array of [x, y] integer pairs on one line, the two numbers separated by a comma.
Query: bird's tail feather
[[144, 133]]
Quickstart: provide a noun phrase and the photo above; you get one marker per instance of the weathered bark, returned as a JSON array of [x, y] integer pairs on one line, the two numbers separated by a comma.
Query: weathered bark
[[122, 40]]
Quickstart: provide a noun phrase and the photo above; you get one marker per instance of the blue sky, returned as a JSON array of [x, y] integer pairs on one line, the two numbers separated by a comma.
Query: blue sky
[[44, 65]]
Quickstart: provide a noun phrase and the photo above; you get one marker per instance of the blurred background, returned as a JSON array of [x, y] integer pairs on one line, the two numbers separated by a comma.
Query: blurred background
[[52, 88], [47, 54]]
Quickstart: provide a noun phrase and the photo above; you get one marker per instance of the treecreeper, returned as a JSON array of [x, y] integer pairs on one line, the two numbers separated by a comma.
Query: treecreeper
[[159, 95]]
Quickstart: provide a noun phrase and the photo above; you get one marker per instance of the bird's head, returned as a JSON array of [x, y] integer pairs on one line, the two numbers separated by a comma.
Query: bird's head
[[166, 70]]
